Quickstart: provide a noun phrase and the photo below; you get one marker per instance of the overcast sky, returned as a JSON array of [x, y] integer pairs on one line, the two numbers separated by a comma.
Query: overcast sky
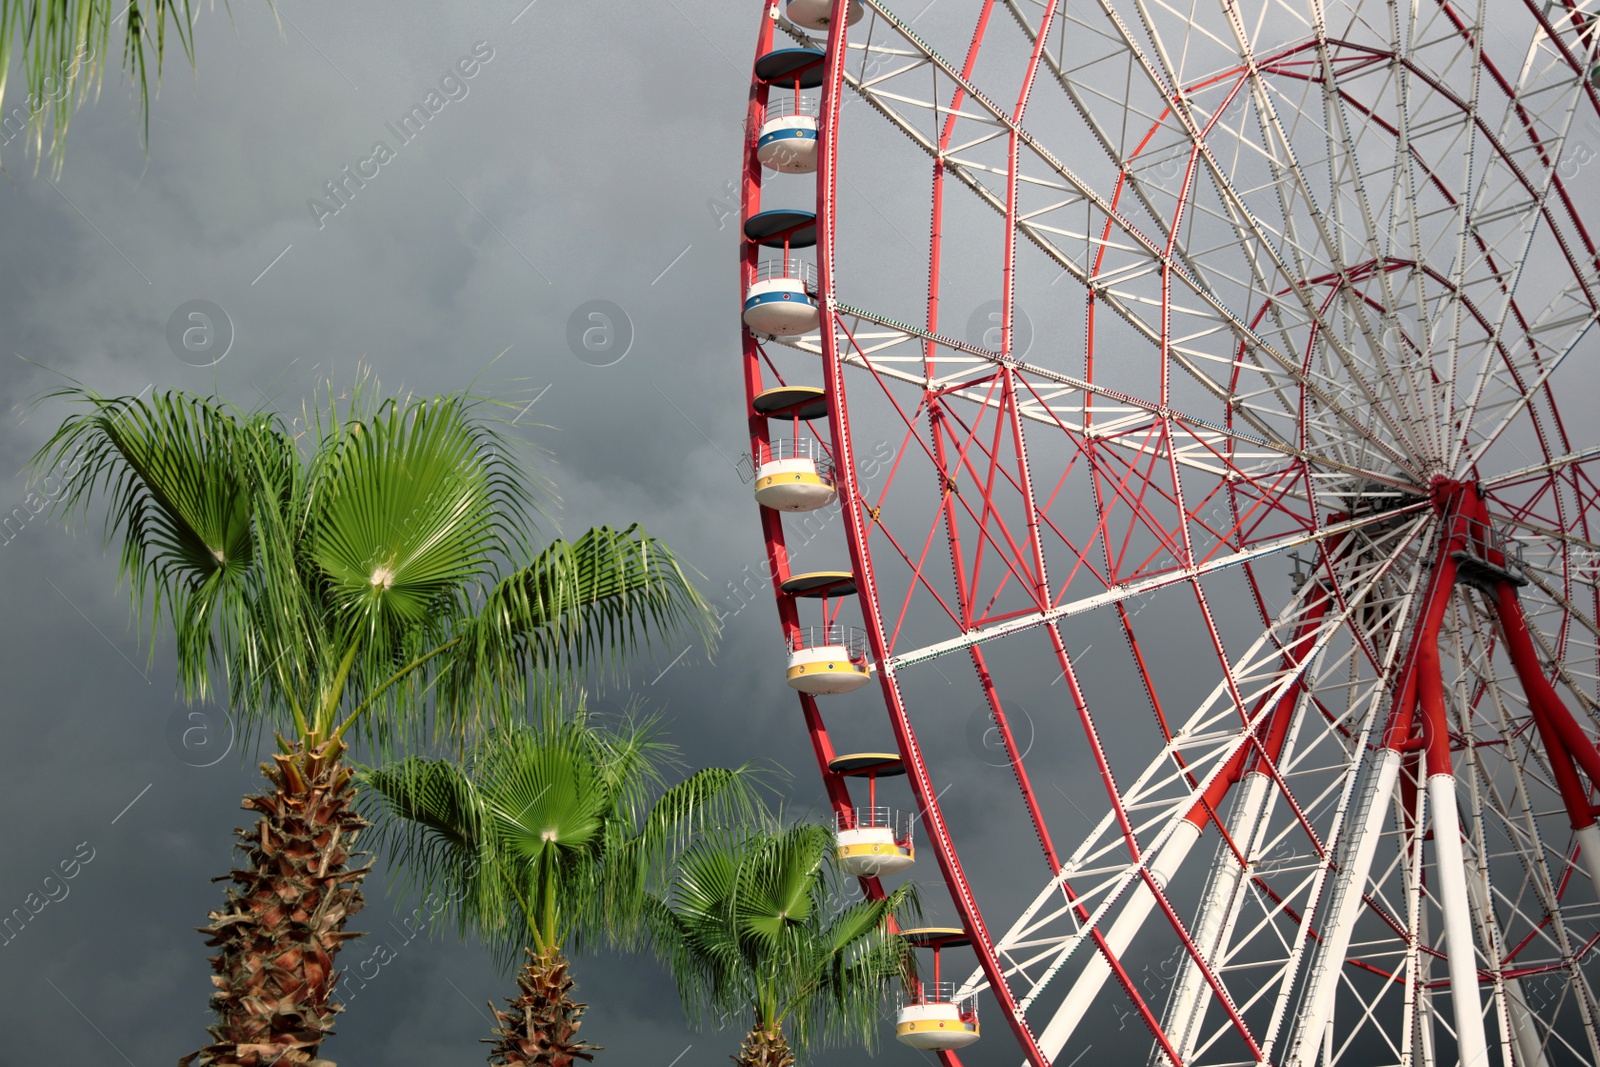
[[589, 155]]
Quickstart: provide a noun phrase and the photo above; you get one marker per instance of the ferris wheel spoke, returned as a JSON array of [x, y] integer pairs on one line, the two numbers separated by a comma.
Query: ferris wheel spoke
[[1126, 303], [1135, 589], [1567, 462], [1180, 784], [1246, 222], [1339, 293], [866, 351], [1524, 392]]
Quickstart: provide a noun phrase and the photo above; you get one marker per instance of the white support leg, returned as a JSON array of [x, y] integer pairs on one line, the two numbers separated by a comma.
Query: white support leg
[[1095, 969], [1524, 1029], [1461, 954], [1328, 963], [1218, 913], [1589, 853]]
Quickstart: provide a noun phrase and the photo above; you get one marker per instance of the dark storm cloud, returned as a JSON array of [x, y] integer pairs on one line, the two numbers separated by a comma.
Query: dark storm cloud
[[584, 162], [573, 162]]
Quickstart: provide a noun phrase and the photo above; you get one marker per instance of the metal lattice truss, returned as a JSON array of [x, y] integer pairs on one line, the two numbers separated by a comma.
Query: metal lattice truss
[[1332, 259]]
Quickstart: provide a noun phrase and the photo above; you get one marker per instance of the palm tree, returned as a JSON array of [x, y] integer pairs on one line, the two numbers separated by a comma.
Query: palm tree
[[357, 573], [62, 45], [752, 924], [546, 839]]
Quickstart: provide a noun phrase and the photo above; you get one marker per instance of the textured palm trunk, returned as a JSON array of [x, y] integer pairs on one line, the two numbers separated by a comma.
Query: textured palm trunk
[[541, 1029], [764, 1048], [284, 918]]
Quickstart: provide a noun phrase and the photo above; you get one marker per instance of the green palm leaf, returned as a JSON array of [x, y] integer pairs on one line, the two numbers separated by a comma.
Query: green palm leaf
[[753, 926], [63, 46], [580, 606], [180, 508], [559, 830], [436, 829]]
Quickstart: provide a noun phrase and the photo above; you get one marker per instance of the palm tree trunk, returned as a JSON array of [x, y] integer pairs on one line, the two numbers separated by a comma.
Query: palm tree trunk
[[541, 1029], [284, 919], [764, 1047]]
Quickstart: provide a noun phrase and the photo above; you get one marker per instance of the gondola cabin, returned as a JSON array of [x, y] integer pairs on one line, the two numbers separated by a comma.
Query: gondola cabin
[[796, 473], [932, 1015], [873, 841], [781, 292]]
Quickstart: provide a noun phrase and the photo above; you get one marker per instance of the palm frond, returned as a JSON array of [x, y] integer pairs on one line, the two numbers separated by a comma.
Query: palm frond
[[406, 527], [753, 921], [560, 850], [63, 45], [581, 608], [695, 975], [710, 800], [863, 959], [780, 880], [181, 508], [432, 820], [635, 763]]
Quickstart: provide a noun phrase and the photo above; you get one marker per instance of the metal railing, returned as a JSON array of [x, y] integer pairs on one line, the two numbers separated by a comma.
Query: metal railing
[[786, 106], [785, 448], [913, 994], [1486, 535], [795, 269], [1490, 555], [796, 448], [853, 638], [900, 822]]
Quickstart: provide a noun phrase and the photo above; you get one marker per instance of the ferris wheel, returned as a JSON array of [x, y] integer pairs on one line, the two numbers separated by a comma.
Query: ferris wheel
[[1253, 505]]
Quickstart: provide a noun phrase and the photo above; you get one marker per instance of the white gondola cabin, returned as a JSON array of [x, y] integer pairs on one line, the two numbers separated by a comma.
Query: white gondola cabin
[[828, 660], [782, 299], [794, 475], [781, 293], [788, 139], [873, 841], [931, 1015]]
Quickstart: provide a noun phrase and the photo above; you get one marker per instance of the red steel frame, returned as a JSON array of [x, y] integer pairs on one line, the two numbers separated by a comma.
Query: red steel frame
[[1419, 682], [771, 521]]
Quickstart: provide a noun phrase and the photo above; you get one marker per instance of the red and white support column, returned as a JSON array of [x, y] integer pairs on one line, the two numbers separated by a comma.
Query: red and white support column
[[1566, 744], [1272, 732], [1421, 690], [1213, 927]]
